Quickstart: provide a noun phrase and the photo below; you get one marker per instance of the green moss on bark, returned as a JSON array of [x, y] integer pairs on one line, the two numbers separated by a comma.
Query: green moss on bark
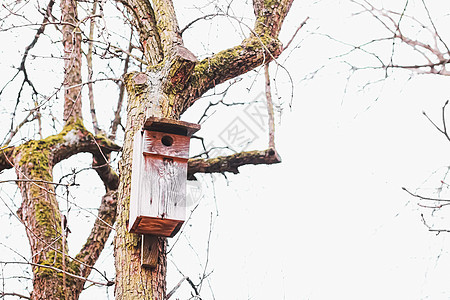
[[54, 260]]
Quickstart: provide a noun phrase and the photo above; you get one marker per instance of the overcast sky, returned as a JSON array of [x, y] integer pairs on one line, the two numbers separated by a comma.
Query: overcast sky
[[331, 221]]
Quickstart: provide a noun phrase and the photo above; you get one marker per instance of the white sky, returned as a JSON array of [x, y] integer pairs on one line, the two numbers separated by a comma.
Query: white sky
[[331, 221]]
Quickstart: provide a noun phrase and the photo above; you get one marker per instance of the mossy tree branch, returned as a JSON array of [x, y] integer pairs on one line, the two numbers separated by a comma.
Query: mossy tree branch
[[270, 15], [167, 24], [34, 162], [260, 47], [231, 163], [6, 158]]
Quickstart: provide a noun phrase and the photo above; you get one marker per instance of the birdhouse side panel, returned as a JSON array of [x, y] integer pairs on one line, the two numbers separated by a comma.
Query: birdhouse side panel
[[167, 182], [166, 144], [136, 172]]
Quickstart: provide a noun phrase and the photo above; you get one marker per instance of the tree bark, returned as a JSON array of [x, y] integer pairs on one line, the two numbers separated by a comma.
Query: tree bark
[[72, 61], [133, 281], [40, 214]]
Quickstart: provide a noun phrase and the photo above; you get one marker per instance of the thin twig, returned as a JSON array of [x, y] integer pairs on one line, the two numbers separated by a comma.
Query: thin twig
[[205, 17], [204, 275], [434, 27], [12, 133], [424, 198], [117, 118], [295, 33], [431, 229], [39, 181], [108, 283], [443, 131], [176, 287], [3, 294]]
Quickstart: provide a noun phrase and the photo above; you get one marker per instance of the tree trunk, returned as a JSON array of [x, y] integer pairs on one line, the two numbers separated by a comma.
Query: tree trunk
[[133, 281], [173, 82]]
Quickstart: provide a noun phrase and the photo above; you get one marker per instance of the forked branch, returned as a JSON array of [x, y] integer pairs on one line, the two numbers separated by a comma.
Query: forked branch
[[436, 59], [442, 130]]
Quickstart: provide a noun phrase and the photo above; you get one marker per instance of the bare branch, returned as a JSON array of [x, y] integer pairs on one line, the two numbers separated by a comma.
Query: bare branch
[[444, 130], [105, 172], [431, 229], [295, 33], [145, 22], [391, 21], [175, 288], [95, 243], [109, 283], [231, 163], [90, 71], [434, 27], [269, 108], [425, 198], [72, 62], [117, 50], [3, 294], [117, 119], [12, 133], [205, 17], [167, 24]]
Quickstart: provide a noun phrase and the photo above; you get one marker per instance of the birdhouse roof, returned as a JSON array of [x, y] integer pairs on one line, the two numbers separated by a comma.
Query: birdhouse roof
[[171, 126]]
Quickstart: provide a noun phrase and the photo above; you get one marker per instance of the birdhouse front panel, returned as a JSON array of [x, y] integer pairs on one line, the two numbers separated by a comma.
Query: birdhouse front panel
[[158, 183], [166, 144], [167, 191]]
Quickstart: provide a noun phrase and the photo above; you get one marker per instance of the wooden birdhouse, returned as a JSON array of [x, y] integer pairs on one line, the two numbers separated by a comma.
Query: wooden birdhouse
[[159, 174]]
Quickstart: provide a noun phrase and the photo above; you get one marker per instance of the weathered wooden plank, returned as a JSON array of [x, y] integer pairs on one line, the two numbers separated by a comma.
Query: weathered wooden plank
[[149, 251], [162, 198], [168, 185], [157, 226]]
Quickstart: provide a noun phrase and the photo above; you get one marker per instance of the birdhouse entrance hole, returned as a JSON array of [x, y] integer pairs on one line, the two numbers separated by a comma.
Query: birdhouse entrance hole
[[167, 140]]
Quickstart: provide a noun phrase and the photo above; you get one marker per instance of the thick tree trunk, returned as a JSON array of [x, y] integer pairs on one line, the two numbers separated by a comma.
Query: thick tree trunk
[[133, 281], [147, 96]]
